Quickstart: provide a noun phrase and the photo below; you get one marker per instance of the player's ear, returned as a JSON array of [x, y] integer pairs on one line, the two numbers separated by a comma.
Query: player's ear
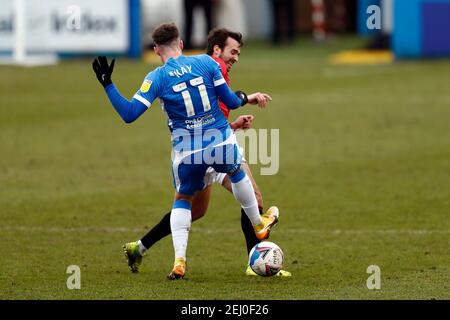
[[156, 50], [216, 50], [181, 45]]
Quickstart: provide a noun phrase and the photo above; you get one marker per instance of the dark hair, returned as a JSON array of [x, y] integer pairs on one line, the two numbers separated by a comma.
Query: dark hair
[[165, 34], [219, 37]]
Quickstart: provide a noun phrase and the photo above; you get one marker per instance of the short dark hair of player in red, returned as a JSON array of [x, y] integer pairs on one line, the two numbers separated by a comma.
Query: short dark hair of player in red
[[219, 37]]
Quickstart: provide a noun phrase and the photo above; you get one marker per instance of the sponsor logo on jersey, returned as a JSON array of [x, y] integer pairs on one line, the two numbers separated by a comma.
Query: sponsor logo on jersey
[[146, 85]]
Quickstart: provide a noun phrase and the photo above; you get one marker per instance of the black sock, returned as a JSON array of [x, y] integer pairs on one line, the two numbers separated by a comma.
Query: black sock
[[249, 233], [158, 232]]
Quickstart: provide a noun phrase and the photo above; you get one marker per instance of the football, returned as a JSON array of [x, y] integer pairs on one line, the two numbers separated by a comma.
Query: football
[[266, 259]]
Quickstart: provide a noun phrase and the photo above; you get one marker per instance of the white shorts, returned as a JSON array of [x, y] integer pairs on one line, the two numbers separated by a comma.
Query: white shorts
[[212, 176]]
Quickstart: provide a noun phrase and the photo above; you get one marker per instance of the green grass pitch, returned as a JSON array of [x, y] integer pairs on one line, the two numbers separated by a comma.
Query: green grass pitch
[[364, 180]]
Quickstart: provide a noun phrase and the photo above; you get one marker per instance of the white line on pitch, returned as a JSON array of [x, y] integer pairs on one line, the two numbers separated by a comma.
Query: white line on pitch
[[208, 231]]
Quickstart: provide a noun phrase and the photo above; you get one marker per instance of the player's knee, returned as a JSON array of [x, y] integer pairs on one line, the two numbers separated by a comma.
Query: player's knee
[[237, 176], [199, 208], [197, 215], [186, 197]]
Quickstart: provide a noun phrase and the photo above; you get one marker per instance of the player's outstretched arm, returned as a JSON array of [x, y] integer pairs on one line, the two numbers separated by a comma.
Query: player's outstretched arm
[[232, 100], [128, 110], [259, 98]]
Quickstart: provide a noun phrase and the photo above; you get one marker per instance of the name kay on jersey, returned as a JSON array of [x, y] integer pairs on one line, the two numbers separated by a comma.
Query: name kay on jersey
[[180, 72]]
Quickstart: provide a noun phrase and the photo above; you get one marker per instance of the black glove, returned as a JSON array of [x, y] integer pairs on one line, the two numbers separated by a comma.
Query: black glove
[[243, 96], [103, 70]]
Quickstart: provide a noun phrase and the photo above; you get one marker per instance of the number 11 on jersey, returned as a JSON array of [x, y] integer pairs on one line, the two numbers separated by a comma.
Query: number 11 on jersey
[[196, 82]]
